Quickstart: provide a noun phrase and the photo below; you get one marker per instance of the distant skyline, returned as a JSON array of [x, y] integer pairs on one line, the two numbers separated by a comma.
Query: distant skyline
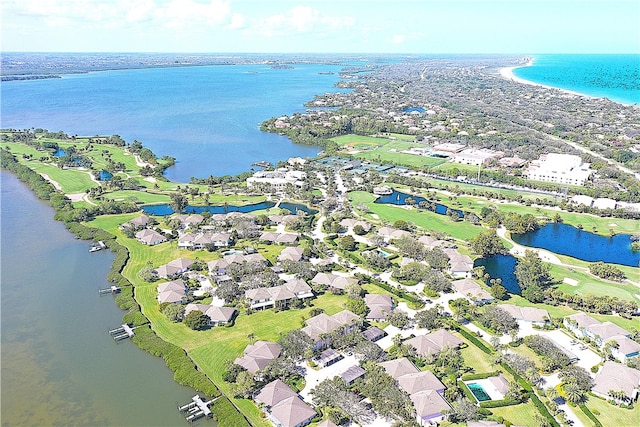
[[322, 26]]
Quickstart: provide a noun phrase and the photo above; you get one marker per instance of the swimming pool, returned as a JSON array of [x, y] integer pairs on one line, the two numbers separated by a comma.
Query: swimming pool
[[478, 392]]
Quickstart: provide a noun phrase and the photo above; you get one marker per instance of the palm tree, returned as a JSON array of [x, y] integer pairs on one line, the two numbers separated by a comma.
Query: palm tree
[[573, 393]]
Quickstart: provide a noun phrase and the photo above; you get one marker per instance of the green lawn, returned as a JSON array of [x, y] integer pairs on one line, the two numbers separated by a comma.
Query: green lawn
[[71, 180], [428, 220], [610, 415], [520, 415], [477, 359], [140, 196]]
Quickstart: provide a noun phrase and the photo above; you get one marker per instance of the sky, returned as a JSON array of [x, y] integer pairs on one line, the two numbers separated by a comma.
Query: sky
[[321, 26]]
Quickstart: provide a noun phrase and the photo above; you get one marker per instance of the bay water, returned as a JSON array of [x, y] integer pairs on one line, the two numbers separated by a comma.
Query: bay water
[[206, 117], [59, 365]]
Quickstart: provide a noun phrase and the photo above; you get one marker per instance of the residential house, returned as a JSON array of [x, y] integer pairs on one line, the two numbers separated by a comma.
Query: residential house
[[174, 292], [389, 233], [473, 291], [374, 334], [150, 237], [330, 280], [460, 266], [585, 326], [174, 268], [283, 406], [423, 387], [201, 240], [350, 223], [317, 326], [328, 357], [136, 223], [189, 221], [257, 356], [430, 242], [261, 298], [434, 342], [380, 305], [217, 315], [353, 373], [291, 253], [279, 238], [618, 378], [535, 316]]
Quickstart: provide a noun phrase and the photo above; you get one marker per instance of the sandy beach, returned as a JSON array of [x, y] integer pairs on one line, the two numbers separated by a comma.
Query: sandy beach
[[507, 73]]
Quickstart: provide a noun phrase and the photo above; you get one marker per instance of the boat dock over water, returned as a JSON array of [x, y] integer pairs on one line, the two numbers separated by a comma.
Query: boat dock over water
[[98, 246], [197, 408], [111, 290], [263, 164], [122, 333]]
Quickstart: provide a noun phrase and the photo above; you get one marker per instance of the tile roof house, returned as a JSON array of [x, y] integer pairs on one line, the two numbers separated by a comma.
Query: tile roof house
[[472, 290], [261, 298], [280, 238], [174, 292], [434, 342], [390, 233], [352, 374], [175, 267], [430, 406], [536, 316], [150, 237], [201, 240], [291, 253], [374, 333], [430, 242], [283, 406], [380, 305], [324, 324], [585, 326], [350, 223], [617, 377], [257, 356], [330, 280], [136, 223], [460, 266], [423, 387], [217, 315]]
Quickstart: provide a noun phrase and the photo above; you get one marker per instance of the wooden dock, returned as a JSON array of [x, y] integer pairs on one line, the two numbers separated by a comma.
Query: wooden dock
[[197, 408], [122, 333], [111, 290], [98, 246]]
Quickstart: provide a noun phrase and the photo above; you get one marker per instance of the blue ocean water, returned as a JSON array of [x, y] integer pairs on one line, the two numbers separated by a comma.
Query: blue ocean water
[[616, 77], [207, 117]]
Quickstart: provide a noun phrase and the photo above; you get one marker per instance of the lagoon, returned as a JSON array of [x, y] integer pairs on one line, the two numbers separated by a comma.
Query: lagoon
[[501, 267], [165, 209], [399, 198], [59, 365], [567, 240]]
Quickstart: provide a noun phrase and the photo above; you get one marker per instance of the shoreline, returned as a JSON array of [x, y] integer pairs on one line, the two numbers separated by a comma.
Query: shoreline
[[508, 74]]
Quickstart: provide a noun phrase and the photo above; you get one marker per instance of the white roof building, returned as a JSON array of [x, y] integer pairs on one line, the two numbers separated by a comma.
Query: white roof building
[[559, 168], [277, 179]]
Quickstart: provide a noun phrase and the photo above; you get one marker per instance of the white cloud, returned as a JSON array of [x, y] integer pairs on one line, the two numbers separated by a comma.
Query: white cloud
[[238, 21], [300, 19], [189, 13], [398, 38]]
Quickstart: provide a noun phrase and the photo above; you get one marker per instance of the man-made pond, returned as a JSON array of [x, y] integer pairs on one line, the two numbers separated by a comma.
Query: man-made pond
[[165, 209], [105, 176], [567, 240], [501, 267], [399, 198]]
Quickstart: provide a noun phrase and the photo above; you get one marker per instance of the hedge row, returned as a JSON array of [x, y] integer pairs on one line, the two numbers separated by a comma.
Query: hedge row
[[589, 414], [543, 409], [391, 289], [469, 377], [499, 403], [468, 335], [462, 386]]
